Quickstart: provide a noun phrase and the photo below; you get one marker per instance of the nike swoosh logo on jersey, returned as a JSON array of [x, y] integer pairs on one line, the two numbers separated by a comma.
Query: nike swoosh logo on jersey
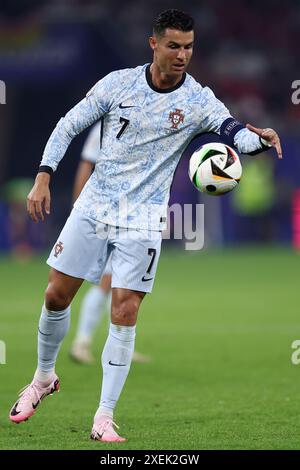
[[121, 106], [119, 365], [145, 280]]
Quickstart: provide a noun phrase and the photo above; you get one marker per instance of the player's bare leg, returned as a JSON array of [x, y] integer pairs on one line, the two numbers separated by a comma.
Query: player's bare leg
[[53, 326], [91, 312], [116, 360]]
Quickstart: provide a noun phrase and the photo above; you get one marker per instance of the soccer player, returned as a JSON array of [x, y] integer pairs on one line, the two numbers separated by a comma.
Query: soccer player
[[149, 114], [98, 298]]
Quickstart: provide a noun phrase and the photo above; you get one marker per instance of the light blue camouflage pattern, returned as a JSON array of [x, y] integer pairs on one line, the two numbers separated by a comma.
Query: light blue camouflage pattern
[[145, 132]]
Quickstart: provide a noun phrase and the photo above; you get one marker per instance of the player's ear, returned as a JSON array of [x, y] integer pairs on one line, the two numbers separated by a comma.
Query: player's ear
[[153, 42]]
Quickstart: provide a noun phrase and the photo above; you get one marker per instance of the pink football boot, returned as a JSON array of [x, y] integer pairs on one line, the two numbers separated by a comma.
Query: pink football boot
[[103, 430], [29, 398]]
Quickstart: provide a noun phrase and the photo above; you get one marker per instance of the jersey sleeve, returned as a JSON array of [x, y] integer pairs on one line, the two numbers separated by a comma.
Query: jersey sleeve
[[96, 104], [248, 142], [217, 118]]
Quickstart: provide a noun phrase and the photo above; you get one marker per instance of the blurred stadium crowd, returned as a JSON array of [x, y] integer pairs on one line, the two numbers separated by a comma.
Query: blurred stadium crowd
[[52, 52]]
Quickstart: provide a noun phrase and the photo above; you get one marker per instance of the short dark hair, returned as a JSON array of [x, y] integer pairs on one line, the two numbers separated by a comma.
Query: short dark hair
[[173, 19]]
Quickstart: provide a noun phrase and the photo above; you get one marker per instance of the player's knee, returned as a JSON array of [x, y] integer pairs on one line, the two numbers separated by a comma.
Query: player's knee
[[56, 299], [125, 313]]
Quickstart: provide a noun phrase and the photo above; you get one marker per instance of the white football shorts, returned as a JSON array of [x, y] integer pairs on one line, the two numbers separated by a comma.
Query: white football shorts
[[85, 245]]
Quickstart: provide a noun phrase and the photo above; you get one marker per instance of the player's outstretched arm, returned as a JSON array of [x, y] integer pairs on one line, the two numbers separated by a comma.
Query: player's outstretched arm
[[269, 136], [38, 200], [247, 139]]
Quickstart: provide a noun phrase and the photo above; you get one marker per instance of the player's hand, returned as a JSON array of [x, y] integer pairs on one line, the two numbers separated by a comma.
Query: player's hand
[[38, 200], [269, 135]]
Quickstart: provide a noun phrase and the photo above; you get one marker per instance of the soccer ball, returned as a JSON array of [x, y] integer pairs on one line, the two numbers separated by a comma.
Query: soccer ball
[[215, 169]]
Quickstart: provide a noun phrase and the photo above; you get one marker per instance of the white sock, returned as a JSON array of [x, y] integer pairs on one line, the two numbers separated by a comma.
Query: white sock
[[102, 411], [91, 312], [53, 327], [116, 361], [44, 377]]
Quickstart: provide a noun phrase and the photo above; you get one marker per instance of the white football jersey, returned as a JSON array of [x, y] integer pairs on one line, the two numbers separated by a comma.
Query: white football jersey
[[143, 133]]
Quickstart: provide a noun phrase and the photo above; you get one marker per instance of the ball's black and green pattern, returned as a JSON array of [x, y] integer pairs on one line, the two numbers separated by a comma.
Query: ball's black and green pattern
[[215, 169]]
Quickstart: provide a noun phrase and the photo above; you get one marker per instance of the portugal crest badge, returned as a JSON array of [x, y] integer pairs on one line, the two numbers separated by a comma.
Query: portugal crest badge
[[58, 249], [176, 117]]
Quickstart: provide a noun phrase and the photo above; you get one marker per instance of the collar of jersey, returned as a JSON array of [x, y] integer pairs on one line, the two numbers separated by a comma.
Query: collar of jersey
[[162, 90]]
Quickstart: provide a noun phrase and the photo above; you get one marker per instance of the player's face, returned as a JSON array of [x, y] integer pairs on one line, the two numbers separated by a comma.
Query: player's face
[[173, 51]]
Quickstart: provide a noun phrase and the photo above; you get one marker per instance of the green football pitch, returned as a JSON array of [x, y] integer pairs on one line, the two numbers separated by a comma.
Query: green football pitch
[[219, 328]]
